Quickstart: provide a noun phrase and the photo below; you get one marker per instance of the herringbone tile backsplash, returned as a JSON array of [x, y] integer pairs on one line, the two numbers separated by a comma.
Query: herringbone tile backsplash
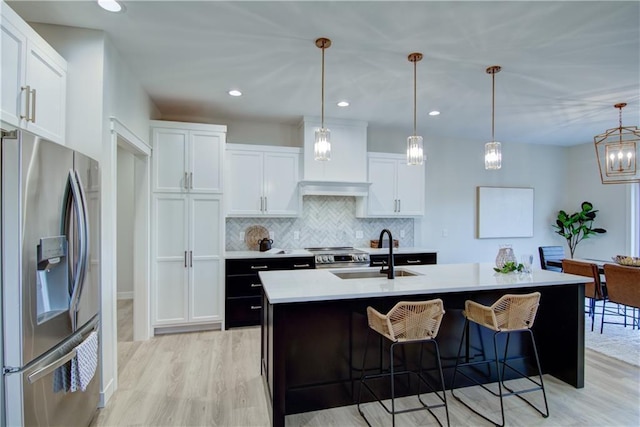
[[325, 221]]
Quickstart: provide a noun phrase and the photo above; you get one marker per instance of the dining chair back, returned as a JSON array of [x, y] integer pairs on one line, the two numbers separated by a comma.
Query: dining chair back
[[593, 288], [623, 287], [547, 253]]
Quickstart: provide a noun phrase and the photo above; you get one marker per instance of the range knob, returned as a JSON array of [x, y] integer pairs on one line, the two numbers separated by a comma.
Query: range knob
[[319, 259]]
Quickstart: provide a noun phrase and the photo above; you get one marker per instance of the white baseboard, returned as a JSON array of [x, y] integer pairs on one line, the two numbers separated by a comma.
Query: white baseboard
[[106, 394], [125, 295]]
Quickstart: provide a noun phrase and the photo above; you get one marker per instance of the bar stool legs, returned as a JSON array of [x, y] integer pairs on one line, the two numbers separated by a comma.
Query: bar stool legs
[[392, 374], [501, 364], [406, 323]]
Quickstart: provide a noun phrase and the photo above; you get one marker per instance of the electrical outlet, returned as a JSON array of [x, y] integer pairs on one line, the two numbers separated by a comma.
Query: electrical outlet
[[402, 234], [445, 232], [241, 236], [359, 234], [296, 235], [272, 235]]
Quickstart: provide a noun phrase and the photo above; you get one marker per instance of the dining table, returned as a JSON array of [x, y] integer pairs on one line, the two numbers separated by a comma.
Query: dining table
[[599, 262]]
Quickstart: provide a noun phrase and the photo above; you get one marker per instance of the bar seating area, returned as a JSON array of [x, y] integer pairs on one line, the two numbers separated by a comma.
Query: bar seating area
[[406, 323], [511, 314]]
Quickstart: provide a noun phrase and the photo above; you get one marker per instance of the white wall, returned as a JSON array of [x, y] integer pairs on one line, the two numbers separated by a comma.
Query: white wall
[[126, 205], [456, 168]]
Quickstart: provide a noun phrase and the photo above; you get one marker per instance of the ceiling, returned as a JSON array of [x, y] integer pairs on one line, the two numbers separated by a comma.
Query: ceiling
[[564, 63]]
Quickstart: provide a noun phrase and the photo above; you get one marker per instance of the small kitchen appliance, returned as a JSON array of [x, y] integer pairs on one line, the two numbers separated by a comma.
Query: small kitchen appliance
[[339, 257], [265, 244]]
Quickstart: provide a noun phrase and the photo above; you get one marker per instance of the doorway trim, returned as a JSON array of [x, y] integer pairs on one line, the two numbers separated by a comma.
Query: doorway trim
[[122, 136]]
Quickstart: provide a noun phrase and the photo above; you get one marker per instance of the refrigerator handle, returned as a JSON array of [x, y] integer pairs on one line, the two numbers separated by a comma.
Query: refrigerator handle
[[46, 370], [75, 199]]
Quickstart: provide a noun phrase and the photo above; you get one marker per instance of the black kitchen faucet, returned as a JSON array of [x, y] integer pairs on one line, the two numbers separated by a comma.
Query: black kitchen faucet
[[389, 267]]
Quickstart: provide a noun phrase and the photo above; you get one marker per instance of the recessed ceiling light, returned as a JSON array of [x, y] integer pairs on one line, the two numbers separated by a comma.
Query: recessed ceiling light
[[343, 104], [235, 92], [434, 113], [110, 5]]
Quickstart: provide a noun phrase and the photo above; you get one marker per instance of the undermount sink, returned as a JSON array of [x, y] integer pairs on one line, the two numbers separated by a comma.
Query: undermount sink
[[371, 274]]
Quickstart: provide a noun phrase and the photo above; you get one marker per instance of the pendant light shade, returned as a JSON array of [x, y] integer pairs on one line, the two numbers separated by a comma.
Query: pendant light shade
[[617, 152], [415, 148], [322, 145], [493, 149]]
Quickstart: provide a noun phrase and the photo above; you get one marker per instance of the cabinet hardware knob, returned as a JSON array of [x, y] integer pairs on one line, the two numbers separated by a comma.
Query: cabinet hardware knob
[[256, 285], [33, 106], [259, 267], [186, 181], [300, 265], [414, 261], [190, 258], [185, 259], [256, 307], [191, 180]]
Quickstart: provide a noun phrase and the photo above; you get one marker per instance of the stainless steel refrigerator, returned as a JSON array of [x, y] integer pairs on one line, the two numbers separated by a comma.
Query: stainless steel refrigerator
[[50, 275]]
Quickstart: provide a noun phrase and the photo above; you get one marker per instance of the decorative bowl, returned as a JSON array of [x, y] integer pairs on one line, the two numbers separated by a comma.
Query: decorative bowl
[[630, 261]]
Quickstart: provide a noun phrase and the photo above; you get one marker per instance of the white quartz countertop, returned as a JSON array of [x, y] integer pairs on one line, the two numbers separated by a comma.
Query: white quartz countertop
[[400, 250], [273, 253], [276, 252], [287, 286]]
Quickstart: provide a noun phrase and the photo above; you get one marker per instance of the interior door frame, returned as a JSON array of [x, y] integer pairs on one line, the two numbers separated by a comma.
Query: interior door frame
[[121, 136]]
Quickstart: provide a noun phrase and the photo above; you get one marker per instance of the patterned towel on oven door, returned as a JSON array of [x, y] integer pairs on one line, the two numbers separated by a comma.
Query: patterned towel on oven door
[[83, 366]]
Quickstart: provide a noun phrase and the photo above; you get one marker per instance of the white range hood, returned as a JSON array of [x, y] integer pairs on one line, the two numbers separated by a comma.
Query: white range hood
[[346, 173], [334, 188]]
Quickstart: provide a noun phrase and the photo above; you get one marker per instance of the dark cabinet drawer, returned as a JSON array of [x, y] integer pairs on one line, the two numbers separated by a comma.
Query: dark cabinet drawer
[[243, 311], [243, 289], [254, 265], [405, 259], [242, 285]]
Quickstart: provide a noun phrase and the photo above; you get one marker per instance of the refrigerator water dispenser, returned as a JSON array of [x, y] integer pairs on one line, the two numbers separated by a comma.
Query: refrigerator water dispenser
[[52, 278]]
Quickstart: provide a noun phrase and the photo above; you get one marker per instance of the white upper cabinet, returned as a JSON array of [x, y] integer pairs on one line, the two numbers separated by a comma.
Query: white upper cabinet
[[34, 80], [187, 157], [262, 181], [397, 189]]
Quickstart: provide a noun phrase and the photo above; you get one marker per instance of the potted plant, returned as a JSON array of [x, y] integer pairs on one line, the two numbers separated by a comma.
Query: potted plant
[[577, 226]]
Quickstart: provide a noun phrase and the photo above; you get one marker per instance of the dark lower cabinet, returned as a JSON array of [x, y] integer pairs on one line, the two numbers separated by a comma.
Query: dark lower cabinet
[[243, 289], [421, 258]]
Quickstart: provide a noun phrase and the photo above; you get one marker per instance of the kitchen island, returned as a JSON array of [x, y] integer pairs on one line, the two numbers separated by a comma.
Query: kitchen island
[[314, 325]]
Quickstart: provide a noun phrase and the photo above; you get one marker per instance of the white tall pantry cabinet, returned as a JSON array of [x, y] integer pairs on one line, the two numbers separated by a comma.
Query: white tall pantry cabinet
[[187, 225]]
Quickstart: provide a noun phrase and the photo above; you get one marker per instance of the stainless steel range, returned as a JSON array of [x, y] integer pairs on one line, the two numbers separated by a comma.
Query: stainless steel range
[[339, 257]]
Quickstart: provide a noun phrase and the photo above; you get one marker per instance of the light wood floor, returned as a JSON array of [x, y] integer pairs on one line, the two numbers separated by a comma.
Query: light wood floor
[[213, 379]]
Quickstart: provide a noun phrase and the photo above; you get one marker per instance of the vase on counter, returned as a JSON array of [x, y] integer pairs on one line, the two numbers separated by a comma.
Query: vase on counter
[[505, 254]]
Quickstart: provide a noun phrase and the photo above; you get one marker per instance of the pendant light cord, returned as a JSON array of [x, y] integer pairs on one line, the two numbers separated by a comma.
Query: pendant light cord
[[322, 103], [414, 97], [493, 106]]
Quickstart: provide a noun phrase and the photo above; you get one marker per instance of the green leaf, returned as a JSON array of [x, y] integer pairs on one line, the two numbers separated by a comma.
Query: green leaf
[[586, 206]]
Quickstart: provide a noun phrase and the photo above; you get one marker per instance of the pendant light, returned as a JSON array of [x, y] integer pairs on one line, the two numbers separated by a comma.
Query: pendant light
[[493, 149], [322, 145], [415, 149], [617, 152]]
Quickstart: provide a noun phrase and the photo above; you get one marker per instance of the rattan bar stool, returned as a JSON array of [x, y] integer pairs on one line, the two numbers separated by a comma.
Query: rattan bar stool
[[406, 323], [510, 314]]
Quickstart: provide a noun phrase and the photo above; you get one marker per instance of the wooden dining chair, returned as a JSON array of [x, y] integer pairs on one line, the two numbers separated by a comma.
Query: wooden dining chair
[[547, 253], [623, 287], [593, 288]]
